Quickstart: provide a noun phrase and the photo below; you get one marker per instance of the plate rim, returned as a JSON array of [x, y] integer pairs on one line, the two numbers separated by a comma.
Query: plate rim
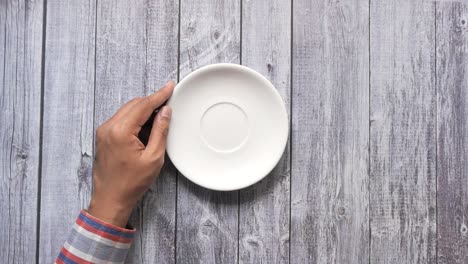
[[278, 98]]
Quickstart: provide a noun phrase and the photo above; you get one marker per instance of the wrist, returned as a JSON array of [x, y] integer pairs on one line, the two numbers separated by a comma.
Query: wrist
[[112, 213]]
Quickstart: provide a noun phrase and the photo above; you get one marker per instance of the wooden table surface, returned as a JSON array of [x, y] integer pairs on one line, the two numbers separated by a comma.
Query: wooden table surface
[[375, 170]]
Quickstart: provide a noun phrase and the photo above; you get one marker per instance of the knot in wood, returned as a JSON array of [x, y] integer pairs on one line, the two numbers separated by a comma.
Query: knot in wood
[[341, 210], [252, 242], [463, 229], [269, 67]]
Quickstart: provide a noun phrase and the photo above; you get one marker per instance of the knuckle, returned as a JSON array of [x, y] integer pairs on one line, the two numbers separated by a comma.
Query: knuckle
[[100, 132], [146, 100], [157, 160], [136, 99], [163, 128], [133, 101], [116, 132], [160, 161]]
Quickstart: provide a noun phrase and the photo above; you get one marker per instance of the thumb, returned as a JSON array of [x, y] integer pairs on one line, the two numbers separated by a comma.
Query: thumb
[[158, 137]]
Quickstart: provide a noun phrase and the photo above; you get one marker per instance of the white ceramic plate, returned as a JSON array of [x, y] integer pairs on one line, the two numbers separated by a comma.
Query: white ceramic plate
[[229, 127]]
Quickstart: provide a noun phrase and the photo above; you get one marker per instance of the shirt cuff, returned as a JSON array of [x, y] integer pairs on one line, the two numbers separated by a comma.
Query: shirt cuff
[[95, 241]]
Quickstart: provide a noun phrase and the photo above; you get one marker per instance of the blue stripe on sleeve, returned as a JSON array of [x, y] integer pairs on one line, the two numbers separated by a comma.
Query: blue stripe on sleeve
[[104, 228], [65, 259]]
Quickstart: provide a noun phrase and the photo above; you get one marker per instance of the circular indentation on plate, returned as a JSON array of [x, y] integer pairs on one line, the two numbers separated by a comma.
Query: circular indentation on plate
[[224, 127]]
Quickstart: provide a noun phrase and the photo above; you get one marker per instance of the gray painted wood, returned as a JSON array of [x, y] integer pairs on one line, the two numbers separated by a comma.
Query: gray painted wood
[[452, 132], [136, 55], [402, 132], [159, 204], [20, 99], [417, 124], [330, 102], [67, 152], [207, 221], [264, 207]]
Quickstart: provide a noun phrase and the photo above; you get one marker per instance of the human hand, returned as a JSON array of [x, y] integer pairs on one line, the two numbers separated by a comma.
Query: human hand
[[124, 168]]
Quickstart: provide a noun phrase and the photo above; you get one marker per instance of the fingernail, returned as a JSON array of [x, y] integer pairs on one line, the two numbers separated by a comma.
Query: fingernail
[[168, 82], [166, 112]]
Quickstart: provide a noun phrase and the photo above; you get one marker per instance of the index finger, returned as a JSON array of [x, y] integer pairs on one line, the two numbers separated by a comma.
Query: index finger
[[141, 111]]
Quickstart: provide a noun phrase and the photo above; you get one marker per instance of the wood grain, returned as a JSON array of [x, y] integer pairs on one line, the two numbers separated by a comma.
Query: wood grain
[[405, 203], [452, 132], [67, 153], [137, 54], [264, 207], [330, 102], [20, 109], [403, 129], [207, 221], [159, 205]]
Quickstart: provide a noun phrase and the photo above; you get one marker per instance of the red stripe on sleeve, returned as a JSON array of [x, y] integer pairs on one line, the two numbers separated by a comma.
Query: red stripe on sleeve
[[103, 233], [73, 257], [118, 228]]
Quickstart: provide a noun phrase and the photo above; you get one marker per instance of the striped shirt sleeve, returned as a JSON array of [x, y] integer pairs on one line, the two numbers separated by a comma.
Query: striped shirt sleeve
[[95, 241]]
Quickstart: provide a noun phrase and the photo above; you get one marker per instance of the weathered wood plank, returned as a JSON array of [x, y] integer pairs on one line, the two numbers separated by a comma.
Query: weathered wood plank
[[452, 133], [20, 109], [120, 75], [137, 54], [207, 221], [67, 152], [159, 205], [330, 102], [402, 132], [264, 207]]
